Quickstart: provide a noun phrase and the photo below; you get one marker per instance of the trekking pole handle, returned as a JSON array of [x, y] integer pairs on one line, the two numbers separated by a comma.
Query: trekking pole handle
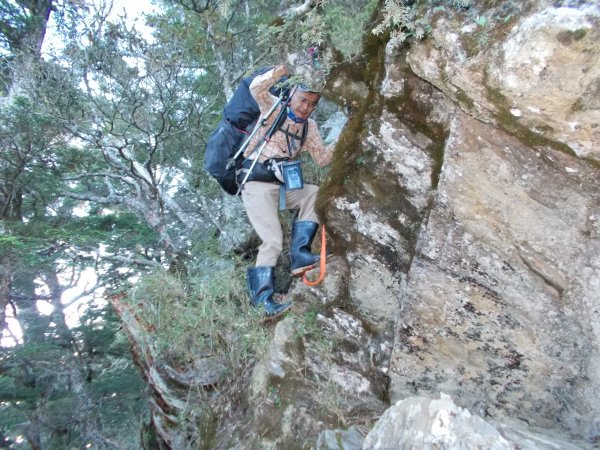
[[241, 150], [254, 161], [273, 108], [275, 123]]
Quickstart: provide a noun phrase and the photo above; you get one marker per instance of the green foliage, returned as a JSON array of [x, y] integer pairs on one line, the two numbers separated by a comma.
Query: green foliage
[[308, 325], [203, 316], [116, 230], [11, 390], [27, 160], [10, 246], [342, 23], [20, 252], [210, 317], [274, 397], [44, 383], [10, 418], [38, 245], [330, 24], [15, 24], [216, 36], [402, 22]]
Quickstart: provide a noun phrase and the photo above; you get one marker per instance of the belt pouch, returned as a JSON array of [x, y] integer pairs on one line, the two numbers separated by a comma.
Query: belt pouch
[[292, 175]]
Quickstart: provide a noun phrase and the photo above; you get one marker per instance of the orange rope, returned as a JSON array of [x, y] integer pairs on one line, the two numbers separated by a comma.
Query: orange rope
[[323, 261]]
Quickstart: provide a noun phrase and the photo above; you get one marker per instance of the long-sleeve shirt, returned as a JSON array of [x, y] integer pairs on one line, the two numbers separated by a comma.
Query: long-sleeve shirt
[[278, 147]]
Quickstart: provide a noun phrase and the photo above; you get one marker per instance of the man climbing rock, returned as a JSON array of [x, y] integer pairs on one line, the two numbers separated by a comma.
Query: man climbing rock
[[266, 188]]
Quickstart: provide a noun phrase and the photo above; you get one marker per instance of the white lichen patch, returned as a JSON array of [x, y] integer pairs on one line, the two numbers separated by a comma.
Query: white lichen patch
[[369, 224]]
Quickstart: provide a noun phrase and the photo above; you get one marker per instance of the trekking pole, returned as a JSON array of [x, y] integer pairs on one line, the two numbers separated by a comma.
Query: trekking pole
[[266, 138], [258, 126]]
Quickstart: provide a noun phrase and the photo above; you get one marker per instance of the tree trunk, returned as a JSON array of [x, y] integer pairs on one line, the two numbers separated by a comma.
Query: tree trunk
[[26, 45], [4, 294]]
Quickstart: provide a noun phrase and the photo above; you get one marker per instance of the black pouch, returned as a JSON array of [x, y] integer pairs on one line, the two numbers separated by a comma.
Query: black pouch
[[292, 175], [260, 172]]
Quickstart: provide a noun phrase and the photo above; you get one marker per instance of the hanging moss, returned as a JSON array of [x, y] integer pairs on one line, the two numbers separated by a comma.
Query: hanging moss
[[355, 166], [368, 71]]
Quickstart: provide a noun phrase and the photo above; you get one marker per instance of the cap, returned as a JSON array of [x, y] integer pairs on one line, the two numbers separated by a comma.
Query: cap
[[308, 70]]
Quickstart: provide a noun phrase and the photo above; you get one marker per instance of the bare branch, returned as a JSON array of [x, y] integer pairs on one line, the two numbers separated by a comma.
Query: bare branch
[[305, 8], [109, 200], [132, 261], [85, 293], [100, 174]]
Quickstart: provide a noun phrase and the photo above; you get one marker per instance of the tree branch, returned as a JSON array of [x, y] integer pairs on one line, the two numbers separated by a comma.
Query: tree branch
[[109, 200], [305, 8], [133, 261], [85, 293]]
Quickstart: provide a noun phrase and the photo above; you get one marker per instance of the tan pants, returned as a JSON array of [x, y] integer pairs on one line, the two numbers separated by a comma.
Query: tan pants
[[261, 201]]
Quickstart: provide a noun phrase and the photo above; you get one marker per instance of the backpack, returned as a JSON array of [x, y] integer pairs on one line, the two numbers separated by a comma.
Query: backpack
[[240, 115]]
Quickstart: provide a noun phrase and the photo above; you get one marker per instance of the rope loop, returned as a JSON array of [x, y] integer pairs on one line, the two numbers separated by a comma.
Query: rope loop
[[323, 261]]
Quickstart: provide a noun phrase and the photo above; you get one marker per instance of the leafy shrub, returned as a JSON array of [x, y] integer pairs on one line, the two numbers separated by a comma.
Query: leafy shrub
[[402, 22], [401, 18]]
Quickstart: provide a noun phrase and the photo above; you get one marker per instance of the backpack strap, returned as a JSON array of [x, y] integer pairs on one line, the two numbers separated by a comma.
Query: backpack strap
[[289, 135], [304, 133]]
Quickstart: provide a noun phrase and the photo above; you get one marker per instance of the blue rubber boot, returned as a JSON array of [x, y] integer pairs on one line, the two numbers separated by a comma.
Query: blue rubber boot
[[303, 234], [261, 284]]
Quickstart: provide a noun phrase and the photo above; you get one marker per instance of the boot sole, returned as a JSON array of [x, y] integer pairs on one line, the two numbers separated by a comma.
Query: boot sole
[[298, 272], [302, 270], [268, 319]]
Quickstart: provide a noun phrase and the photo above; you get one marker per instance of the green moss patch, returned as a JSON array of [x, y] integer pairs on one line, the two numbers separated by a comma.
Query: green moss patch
[[524, 134], [567, 37]]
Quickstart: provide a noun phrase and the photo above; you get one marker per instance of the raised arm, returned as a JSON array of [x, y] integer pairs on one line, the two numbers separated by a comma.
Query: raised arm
[[262, 83]]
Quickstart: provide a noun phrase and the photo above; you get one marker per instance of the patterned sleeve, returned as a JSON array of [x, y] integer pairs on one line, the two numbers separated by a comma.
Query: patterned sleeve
[[314, 145], [259, 88]]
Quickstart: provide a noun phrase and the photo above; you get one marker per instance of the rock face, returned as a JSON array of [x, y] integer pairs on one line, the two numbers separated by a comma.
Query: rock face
[[464, 211], [503, 270], [542, 75], [425, 423], [502, 297]]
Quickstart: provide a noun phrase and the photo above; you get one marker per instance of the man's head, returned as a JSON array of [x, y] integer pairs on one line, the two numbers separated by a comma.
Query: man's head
[[303, 103]]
